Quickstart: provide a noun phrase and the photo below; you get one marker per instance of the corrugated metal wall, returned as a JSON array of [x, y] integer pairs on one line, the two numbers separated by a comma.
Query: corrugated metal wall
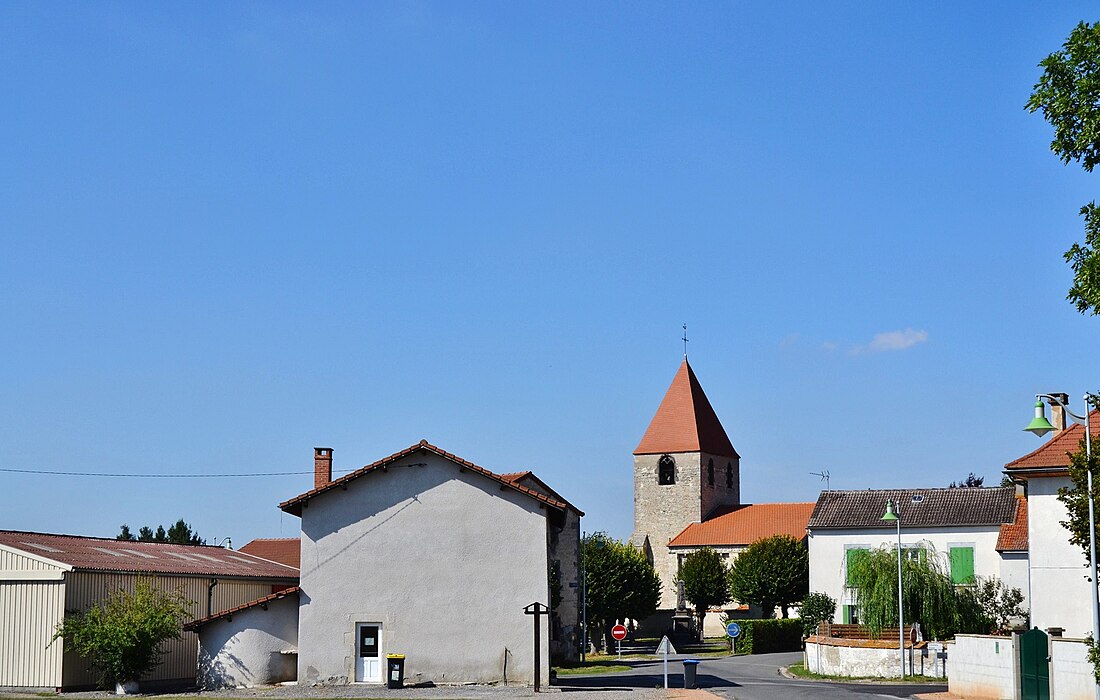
[[29, 613], [86, 589]]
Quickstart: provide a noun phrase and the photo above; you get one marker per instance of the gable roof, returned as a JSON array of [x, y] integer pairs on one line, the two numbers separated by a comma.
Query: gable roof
[[745, 524], [540, 486], [102, 554], [294, 505], [1013, 536], [936, 507], [1055, 451], [285, 550], [685, 421], [228, 613]]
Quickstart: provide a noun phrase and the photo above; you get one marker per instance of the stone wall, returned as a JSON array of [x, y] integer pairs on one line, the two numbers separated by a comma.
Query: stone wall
[[868, 658]]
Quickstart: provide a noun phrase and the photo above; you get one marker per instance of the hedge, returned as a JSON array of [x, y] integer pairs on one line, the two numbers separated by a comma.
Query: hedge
[[767, 636]]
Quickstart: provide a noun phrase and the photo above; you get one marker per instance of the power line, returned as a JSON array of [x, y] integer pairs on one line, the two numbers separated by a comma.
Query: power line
[[151, 476]]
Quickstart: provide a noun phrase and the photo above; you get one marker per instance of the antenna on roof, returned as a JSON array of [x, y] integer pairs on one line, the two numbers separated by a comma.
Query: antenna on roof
[[824, 474], [685, 339]]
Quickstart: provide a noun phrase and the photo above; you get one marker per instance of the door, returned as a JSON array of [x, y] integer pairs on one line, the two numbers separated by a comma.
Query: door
[[1034, 665], [368, 657]]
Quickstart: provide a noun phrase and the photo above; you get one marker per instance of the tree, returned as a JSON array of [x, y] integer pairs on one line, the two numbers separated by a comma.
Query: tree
[[179, 533], [122, 637], [771, 572], [1076, 498], [970, 482], [620, 584], [814, 609], [705, 582], [999, 604], [1068, 95]]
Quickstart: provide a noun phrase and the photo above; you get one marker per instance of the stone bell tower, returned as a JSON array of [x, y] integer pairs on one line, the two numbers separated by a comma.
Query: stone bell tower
[[685, 468]]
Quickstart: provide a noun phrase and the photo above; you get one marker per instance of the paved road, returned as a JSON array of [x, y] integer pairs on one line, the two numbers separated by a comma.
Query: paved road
[[743, 678]]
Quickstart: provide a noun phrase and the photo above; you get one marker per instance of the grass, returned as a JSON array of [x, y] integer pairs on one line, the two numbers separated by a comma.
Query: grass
[[598, 663], [799, 670]]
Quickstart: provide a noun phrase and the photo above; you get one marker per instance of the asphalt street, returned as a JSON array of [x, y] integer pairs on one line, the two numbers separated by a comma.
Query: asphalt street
[[753, 677]]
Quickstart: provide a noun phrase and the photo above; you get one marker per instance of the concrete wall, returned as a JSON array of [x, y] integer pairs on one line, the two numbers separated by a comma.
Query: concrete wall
[[827, 553], [1071, 674], [1060, 590], [981, 666], [662, 511], [250, 647], [443, 558], [864, 658]]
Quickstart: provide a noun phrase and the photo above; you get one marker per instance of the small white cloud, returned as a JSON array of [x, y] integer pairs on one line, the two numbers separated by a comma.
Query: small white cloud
[[892, 340], [829, 346]]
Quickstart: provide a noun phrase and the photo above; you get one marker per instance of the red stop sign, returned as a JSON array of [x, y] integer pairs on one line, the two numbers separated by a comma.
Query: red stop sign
[[618, 633]]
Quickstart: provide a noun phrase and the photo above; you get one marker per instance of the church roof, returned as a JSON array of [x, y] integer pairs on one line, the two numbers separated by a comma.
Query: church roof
[[745, 524], [685, 421]]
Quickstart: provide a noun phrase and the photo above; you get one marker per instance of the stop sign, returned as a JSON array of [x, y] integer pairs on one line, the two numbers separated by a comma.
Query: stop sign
[[618, 633]]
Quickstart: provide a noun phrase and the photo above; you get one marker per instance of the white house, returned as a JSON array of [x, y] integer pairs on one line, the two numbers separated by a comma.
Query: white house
[[421, 553], [1059, 570], [963, 526]]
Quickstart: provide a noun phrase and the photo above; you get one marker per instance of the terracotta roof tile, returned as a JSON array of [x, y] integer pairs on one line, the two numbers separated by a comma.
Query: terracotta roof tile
[[918, 507], [285, 550], [294, 505], [196, 624], [531, 481], [743, 525], [1013, 536], [685, 421], [1054, 452], [102, 554]]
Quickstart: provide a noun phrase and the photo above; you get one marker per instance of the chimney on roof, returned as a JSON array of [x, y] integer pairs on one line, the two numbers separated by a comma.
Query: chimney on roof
[[1057, 413], [322, 466]]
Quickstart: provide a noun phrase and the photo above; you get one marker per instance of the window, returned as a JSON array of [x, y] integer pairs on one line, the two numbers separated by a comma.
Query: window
[[710, 473], [962, 565], [666, 471], [729, 475], [914, 553], [851, 614]]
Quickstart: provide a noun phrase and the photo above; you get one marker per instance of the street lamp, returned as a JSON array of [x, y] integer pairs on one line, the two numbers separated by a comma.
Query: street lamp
[[1041, 426], [892, 515]]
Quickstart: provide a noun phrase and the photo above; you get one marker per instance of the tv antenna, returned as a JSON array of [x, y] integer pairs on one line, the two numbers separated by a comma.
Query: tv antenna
[[824, 474]]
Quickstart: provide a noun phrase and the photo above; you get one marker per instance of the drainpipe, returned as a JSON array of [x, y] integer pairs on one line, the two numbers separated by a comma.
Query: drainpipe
[[210, 597]]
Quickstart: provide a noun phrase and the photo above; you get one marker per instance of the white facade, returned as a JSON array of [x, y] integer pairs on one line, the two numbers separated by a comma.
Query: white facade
[[255, 646], [440, 558], [1059, 569], [828, 554]]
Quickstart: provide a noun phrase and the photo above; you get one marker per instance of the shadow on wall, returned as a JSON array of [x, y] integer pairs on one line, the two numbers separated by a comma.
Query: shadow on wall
[[226, 670]]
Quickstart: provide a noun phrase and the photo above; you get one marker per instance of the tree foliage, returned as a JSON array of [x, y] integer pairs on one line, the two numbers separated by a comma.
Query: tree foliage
[[123, 635], [1076, 498], [771, 572], [970, 482], [706, 583], [620, 584], [1000, 605], [1068, 95], [178, 533], [814, 609]]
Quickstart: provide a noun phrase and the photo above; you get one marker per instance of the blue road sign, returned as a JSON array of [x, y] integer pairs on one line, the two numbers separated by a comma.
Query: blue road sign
[[733, 629]]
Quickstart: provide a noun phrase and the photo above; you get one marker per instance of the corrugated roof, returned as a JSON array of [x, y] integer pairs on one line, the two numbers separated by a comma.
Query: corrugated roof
[[102, 554], [685, 421], [918, 507], [1013, 536], [285, 550], [294, 505], [1054, 452], [196, 624], [745, 524]]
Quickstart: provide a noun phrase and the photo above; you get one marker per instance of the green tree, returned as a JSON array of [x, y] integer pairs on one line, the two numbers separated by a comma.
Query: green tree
[[999, 604], [620, 584], [771, 572], [122, 637], [814, 609], [705, 582], [1076, 498], [179, 533], [970, 482], [1068, 95]]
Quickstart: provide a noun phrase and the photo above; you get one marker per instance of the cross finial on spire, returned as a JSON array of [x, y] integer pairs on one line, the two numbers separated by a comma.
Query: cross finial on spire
[[685, 339]]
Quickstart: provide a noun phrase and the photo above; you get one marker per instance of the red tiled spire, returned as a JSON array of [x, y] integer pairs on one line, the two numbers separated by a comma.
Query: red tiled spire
[[685, 421]]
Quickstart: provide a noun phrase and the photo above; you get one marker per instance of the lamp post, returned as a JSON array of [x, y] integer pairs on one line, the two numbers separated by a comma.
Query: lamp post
[[892, 515], [1040, 426]]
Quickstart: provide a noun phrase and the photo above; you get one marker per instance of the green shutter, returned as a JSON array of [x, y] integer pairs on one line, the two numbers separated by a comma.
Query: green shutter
[[849, 558], [962, 565], [848, 614]]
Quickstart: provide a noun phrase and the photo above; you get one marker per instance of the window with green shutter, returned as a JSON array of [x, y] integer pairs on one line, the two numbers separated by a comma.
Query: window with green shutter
[[962, 565], [850, 556]]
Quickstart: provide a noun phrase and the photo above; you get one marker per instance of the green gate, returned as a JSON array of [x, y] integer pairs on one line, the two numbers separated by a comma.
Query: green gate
[[1034, 665]]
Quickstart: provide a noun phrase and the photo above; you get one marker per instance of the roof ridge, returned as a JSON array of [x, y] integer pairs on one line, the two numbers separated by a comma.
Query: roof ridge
[[110, 539]]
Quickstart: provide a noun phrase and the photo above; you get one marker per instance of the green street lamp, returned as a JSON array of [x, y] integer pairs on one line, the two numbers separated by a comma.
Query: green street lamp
[[892, 515]]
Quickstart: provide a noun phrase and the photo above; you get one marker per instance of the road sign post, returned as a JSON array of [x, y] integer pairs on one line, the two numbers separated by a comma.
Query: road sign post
[[618, 633], [666, 648], [733, 630]]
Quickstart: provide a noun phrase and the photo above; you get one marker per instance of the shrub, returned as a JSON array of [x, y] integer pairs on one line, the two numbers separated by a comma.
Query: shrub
[[771, 635], [815, 609]]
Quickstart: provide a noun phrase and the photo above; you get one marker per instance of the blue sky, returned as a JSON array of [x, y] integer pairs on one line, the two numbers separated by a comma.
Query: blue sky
[[235, 232]]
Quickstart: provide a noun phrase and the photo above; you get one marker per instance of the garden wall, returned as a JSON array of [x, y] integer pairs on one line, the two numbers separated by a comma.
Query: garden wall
[[983, 667], [874, 658]]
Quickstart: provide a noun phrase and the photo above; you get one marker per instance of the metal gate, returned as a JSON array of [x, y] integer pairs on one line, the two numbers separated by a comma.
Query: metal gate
[[1034, 665]]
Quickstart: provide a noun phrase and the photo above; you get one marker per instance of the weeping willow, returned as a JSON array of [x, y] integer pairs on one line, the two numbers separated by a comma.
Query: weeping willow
[[928, 595]]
